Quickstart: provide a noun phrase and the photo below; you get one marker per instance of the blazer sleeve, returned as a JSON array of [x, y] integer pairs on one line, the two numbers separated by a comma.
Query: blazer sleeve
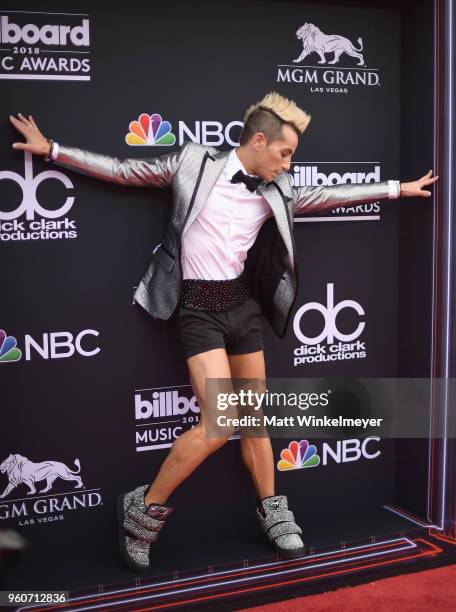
[[141, 172], [308, 200]]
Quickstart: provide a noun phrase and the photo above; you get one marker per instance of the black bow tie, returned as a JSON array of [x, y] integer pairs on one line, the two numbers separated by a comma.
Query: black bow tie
[[251, 182]]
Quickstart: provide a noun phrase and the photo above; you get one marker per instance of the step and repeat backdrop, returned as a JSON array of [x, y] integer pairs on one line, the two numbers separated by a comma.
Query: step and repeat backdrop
[[94, 390]]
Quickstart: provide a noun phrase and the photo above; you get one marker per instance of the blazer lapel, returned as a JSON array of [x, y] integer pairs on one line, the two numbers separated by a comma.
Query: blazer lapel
[[212, 170], [275, 200]]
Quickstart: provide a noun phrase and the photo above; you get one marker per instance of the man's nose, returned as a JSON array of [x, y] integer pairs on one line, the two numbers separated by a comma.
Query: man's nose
[[286, 166]]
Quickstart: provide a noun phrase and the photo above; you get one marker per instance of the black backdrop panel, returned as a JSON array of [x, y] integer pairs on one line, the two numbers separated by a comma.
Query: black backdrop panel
[[76, 400]]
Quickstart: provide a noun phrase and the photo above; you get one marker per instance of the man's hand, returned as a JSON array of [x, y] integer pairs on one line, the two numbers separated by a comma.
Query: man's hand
[[414, 189], [36, 141]]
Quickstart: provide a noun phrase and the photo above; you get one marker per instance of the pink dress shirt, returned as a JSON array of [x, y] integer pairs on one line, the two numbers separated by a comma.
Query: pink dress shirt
[[215, 245]]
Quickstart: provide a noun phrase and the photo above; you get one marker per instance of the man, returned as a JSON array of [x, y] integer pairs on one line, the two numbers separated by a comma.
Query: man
[[227, 257]]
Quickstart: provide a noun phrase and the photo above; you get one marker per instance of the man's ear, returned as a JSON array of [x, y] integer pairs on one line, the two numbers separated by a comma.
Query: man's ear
[[259, 141]]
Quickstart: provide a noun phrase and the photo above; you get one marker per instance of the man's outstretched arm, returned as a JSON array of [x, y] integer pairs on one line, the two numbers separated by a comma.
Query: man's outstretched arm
[[308, 200], [153, 171], [145, 172]]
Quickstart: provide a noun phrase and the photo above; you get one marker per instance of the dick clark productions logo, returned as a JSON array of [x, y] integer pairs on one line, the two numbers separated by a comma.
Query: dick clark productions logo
[[53, 223], [331, 344]]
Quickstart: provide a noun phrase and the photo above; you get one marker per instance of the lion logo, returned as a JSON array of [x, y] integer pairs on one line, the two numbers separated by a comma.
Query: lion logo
[[313, 40], [21, 470]]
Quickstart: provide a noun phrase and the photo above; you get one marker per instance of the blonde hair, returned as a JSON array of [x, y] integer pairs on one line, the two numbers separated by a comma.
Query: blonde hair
[[284, 109]]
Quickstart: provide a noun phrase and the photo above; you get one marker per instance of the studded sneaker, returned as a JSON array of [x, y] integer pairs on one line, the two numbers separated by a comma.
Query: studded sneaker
[[278, 523], [139, 526]]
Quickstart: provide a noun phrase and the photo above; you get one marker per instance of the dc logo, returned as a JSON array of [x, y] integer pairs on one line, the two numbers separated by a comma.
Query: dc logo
[[329, 312], [29, 185]]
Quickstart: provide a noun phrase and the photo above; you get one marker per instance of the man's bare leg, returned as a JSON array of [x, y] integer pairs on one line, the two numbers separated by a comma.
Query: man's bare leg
[[190, 449], [256, 451]]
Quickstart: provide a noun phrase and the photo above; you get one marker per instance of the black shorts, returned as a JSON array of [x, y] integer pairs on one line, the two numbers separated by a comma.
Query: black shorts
[[239, 330]]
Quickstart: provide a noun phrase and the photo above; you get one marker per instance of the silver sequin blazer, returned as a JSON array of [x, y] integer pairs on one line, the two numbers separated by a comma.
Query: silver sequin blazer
[[191, 172]]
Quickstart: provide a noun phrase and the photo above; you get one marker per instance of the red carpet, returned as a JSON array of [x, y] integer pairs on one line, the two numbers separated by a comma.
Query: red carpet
[[433, 590]]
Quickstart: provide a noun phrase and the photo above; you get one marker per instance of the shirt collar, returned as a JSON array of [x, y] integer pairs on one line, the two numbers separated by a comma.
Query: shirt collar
[[233, 164]]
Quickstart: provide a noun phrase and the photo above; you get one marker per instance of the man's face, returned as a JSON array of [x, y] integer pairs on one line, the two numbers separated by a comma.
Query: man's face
[[273, 158]]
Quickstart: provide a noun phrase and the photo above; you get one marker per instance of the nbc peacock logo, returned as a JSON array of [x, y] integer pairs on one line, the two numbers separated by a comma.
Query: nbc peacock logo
[[298, 455], [150, 130], [8, 350]]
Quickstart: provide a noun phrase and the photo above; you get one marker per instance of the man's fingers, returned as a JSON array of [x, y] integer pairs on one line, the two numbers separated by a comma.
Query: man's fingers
[[18, 125], [24, 120], [21, 145], [32, 121]]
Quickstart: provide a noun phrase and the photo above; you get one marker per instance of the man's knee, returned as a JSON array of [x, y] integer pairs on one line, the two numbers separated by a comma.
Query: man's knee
[[216, 443], [214, 440]]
